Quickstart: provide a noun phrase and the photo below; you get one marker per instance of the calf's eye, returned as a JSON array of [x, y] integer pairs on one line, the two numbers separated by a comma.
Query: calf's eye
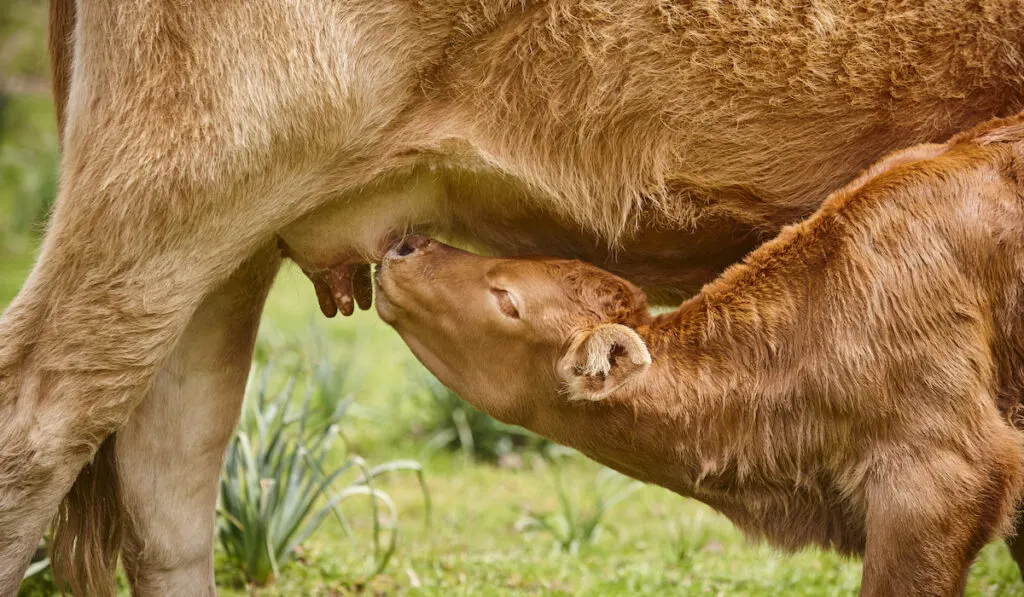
[[506, 304]]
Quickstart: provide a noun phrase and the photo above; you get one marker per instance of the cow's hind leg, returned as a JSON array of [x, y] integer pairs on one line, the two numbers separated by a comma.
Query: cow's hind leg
[[79, 348], [113, 292], [137, 242], [191, 138], [169, 454]]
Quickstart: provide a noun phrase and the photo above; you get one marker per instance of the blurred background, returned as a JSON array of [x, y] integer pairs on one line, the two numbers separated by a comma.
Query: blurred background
[[353, 471]]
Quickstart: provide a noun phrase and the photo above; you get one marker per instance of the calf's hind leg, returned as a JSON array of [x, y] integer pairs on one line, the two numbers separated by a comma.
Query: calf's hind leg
[[169, 453]]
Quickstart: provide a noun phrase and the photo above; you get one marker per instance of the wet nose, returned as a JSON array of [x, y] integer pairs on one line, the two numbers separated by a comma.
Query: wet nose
[[408, 246]]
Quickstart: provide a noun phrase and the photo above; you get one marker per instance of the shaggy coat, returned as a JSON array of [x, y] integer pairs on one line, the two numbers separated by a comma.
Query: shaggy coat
[[662, 140], [856, 383]]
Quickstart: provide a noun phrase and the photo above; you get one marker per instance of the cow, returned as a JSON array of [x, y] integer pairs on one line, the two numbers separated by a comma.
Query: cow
[[856, 383], [201, 140]]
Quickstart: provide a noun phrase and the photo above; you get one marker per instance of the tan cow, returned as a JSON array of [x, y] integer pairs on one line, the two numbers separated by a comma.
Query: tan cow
[[856, 383], [659, 139]]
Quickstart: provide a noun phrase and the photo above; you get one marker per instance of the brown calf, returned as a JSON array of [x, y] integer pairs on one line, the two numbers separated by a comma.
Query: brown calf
[[659, 139], [855, 383]]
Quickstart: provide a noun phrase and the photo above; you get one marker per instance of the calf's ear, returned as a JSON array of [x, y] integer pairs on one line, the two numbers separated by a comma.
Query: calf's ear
[[601, 359]]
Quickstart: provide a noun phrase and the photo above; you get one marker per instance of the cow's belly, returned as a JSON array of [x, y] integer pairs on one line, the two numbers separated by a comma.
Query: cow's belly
[[491, 213], [669, 263], [358, 226]]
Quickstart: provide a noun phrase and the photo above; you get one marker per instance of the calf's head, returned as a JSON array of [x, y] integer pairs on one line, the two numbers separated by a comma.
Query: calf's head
[[513, 335]]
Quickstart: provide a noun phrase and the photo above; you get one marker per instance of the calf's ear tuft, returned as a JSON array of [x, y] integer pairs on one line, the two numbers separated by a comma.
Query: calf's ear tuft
[[601, 359]]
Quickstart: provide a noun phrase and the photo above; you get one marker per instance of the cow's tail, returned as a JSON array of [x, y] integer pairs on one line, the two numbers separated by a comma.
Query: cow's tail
[[85, 536], [61, 45]]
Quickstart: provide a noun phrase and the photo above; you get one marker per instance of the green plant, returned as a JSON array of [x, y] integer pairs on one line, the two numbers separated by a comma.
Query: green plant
[[28, 165], [338, 360], [578, 521], [38, 579], [277, 489], [453, 424], [689, 537], [38, 565]]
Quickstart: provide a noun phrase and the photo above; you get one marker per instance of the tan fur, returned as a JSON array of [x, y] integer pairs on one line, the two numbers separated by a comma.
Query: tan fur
[[662, 140], [856, 383], [86, 534], [62, 25], [170, 452]]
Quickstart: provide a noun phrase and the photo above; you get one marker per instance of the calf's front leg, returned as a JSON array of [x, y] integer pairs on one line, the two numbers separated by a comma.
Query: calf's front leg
[[927, 519]]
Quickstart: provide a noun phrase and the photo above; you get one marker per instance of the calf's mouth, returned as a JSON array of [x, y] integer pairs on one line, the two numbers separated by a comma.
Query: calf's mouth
[[387, 279]]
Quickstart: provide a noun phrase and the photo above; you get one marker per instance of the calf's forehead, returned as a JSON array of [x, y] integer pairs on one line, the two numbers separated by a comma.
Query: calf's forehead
[[567, 293], [552, 279]]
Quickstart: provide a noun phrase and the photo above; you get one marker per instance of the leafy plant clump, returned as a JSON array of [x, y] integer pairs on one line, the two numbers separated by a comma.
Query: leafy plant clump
[[277, 487], [38, 579], [453, 424], [579, 518]]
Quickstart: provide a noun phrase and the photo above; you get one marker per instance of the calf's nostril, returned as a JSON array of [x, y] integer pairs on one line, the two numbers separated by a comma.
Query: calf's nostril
[[404, 249], [410, 245]]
